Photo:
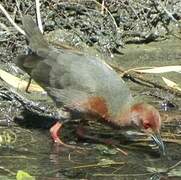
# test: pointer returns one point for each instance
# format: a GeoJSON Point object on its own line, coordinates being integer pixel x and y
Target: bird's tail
{"type": "Point", "coordinates": [33, 34]}
{"type": "Point", "coordinates": [37, 44]}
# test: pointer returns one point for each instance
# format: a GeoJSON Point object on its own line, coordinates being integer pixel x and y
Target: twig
{"type": "Point", "coordinates": [38, 15]}
{"type": "Point", "coordinates": [86, 166]}
{"type": "Point", "coordinates": [98, 165]}
{"type": "Point", "coordinates": [120, 150]}
{"type": "Point", "coordinates": [18, 157]}
{"type": "Point", "coordinates": [174, 166]}
{"type": "Point", "coordinates": [167, 12]}
{"type": "Point", "coordinates": [11, 21]}
{"type": "Point", "coordinates": [122, 175]}
{"type": "Point", "coordinates": [7, 170]}
{"type": "Point", "coordinates": [108, 13]}
{"type": "Point", "coordinates": [138, 79]}
{"type": "Point", "coordinates": [3, 26]}
{"type": "Point", "coordinates": [102, 7]}
{"type": "Point", "coordinates": [18, 6]}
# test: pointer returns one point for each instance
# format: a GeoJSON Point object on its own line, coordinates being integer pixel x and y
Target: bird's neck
{"type": "Point", "coordinates": [127, 117]}
{"type": "Point", "coordinates": [123, 118]}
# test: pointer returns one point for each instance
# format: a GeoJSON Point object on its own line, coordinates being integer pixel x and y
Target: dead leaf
{"type": "Point", "coordinates": [162, 69]}
{"type": "Point", "coordinates": [171, 84]}
{"type": "Point", "coordinates": [19, 83]}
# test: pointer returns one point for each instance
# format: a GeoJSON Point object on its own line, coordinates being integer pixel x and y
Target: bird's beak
{"type": "Point", "coordinates": [158, 140]}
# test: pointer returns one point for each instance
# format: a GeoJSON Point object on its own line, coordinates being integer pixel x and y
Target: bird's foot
{"type": "Point", "coordinates": [58, 141]}
{"type": "Point", "coordinates": [55, 131]}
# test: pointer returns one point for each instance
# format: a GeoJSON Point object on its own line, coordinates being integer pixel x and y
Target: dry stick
{"type": "Point", "coordinates": [167, 12]}
{"type": "Point", "coordinates": [102, 7]}
{"type": "Point", "coordinates": [2, 168]}
{"type": "Point", "coordinates": [106, 9]}
{"type": "Point", "coordinates": [19, 10]}
{"type": "Point", "coordinates": [120, 150]}
{"type": "Point", "coordinates": [11, 20]}
{"type": "Point", "coordinates": [17, 157]}
{"type": "Point", "coordinates": [122, 175]}
{"type": "Point", "coordinates": [174, 166]}
{"type": "Point", "coordinates": [86, 166]}
{"type": "Point", "coordinates": [136, 78]}
{"type": "Point", "coordinates": [38, 15]}
{"type": "Point", "coordinates": [3, 26]}
{"type": "Point", "coordinates": [13, 15]}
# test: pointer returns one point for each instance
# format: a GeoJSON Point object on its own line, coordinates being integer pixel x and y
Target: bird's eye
{"type": "Point", "coordinates": [146, 125]}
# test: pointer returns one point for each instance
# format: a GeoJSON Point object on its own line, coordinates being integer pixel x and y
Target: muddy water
{"type": "Point", "coordinates": [32, 150]}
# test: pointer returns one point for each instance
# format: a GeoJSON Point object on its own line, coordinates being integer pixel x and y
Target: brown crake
{"type": "Point", "coordinates": [86, 84]}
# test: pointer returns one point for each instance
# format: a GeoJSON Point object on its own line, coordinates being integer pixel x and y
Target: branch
{"type": "Point", "coordinates": [11, 20]}
{"type": "Point", "coordinates": [38, 15]}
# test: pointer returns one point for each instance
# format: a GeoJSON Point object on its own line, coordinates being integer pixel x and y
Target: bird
{"type": "Point", "coordinates": [84, 84]}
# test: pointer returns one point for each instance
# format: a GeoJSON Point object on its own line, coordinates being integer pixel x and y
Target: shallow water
{"type": "Point", "coordinates": [36, 154]}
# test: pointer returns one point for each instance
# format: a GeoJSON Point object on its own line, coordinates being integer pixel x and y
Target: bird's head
{"type": "Point", "coordinates": [147, 119]}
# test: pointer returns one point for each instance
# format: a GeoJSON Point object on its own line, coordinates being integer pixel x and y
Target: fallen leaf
{"type": "Point", "coordinates": [162, 69]}
{"type": "Point", "coordinates": [171, 84]}
{"type": "Point", "coordinates": [18, 83]}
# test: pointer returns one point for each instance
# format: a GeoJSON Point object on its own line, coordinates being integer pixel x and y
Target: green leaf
{"type": "Point", "coordinates": [21, 175]}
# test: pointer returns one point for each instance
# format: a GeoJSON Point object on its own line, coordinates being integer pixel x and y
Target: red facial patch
{"type": "Point", "coordinates": [152, 119]}
{"type": "Point", "coordinates": [97, 105]}
{"type": "Point", "coordinates": [147, 125]}
{"type": "Point", "coordinates": [148, 114]}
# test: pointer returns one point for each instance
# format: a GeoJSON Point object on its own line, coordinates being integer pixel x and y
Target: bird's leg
{"type": "Point", "coordinates": [64, 116]}
{"type": "Point", "coordinates": [55, 134]}
{"type": "Point", "coordinates": [28, 85]}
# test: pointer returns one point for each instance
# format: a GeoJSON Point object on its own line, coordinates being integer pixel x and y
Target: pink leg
{"type": "Point", "coordinates": [55, 133]}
